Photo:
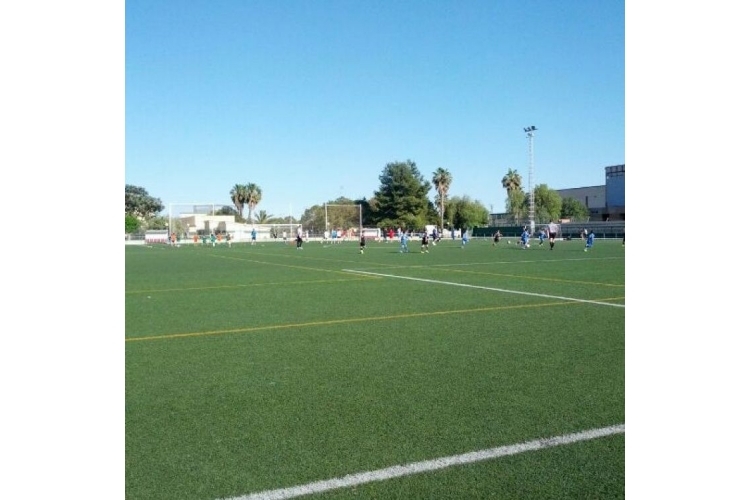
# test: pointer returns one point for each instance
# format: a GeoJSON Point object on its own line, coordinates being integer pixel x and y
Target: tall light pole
{"type": "Point", "coordinates": [530, 134]}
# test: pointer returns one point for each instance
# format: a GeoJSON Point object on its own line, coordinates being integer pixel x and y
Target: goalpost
{"type": "Point", "coordinates": [345, 220]}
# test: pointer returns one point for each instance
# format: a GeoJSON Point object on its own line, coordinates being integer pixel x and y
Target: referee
{"type": "Point", "coordinates": [552, 230]}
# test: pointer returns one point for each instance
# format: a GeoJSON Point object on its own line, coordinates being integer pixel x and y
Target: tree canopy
{"type": "Point", "coordinates": [463, 212]}
{"type": "Point", "coordinates": [402, 199]}
{"type": "Point", "coordinates": [248, 194]}
{"type": "Point", "coordinates": [547, 203]}
{"type": "Point", "coordinates": [574, 210]}
{"type": "Point", "coordinates": [140, 204]}
{"type": "Point", "coordinates": [511, 181]}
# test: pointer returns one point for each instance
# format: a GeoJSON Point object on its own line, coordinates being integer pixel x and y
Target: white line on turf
{"type": "Point", "coordinates": [430, 465]}
{"type": "Point", "coordinates": [571, 299]}
{"type": "Point", "coordinates": [544, 261]}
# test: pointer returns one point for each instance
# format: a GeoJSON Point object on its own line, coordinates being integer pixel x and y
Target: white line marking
{"type": "Point", "coordinates": [430, 465]}
{"type": "Point", "coordinates": [544, 261]}
{"type": "Point", "coordinates": [487, 288]}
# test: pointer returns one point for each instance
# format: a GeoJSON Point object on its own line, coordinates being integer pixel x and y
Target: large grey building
{"type": "Point", "coordinates": [605, 203]}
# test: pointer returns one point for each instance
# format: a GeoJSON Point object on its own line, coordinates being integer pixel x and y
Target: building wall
{"type": "Point", "coordinates": [593, 196]}
{"type": "Point", "coordinates": [615, 176]}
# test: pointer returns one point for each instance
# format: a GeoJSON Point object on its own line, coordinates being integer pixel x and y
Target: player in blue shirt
{"type": "Point", "coordinates": [525, 238]}
{"type": "Point", "coordinates": [404, 243]}
{"type": "Point", "coordinates": [589, 241]}
{"type": "Point", "coordinates": [464, 238]}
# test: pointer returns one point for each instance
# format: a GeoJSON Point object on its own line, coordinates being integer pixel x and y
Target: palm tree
{"type": "Point", "coordinates": [263, 217]}
{"type": "Point", "coordinates": [239, 197]}
{"type": "Point", "coordinates": [442, 179]}
{"type": "Point", "coordinates": [254, 195]}
{"type": "Point", "coordinates": [512, 181]}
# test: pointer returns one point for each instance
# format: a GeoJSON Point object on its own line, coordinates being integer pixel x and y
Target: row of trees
{"type": "Point", "coordinates": [548, 204]}
{"type": "Point", "coordinates": [400, 201]}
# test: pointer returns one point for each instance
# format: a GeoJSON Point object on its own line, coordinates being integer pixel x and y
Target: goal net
{"type": "Point", "coordinates": [342, 222]}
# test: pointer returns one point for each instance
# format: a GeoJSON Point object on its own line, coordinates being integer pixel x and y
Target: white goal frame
{"type": "Point", "coordinates": [326, 205]}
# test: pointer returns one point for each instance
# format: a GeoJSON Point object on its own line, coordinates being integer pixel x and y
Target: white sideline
{"type": "Point", "coordinates": [430, 465]}
{"type": "Point", "coordinates": [571, 299]}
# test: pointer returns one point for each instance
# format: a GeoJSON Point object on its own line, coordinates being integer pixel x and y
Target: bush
{"type": "Point", "coordinates": [131, 224]}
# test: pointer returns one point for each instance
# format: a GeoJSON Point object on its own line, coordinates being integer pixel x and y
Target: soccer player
{"type": "Point", "coordinates": [404, 243]}
{"type": "Point", "coordinates": [229, 240]}
{"type": "Point", "coordinates": [552, 230]}
{"type": "Point", "coordinates": [496, 238]}
{"type": "Point", "coordinates": [253, 235]}
{"type": "Point", "coordinates": [425, 243]}
{"type": "Point", "coordinates": [525, 238]}
{"type": "Point", "coordinates": [362, 244]}
{"type": "Point", "coordinates": [542, 234]}
{"type": "Point", "coordinates": [520, 238]}
{"type": "Point", "coordinates": [299, 237]}
{"type": "Point", "coordinates": [213, 239]}
{"type": "Point", "coordinates": [464, 238]}
{"type": "Point", "coordinates": [589, 241]}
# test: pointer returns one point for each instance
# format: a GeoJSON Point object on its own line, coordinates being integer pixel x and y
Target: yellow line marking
{"type": "Point", "coordinates": [323, 259]}
{"type": "Point", "coordinates": [281, 265]}
{"type": "Point", "coordinates": [247, 285]}
{"type": "Point", "coordinates": [350, 320]}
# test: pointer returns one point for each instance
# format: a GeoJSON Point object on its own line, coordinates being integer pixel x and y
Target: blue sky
{"type": "Point", "coordinates": [310, 100]}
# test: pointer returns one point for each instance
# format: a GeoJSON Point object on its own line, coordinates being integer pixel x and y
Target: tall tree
{"type": "Point", "coordinates": [253, 197]}
{"type": "Point", "coordinates": [442, 179]}
{"type": "Point", "coordinates": [515, 204]}
{"type": "Point", "coordinates": [140, 204]}
{"type": "Point", "coordinates": [239, 197]}
{"type": "Point", "coordinates": [512, 181]}
{"type": "Point", "coordinates": [402, 199]}
{"type": "Point", "coordinates": [547, 203]}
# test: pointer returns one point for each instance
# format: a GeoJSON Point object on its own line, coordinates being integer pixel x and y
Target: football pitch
{"type": "Point", "coordinates": [467, 372]}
